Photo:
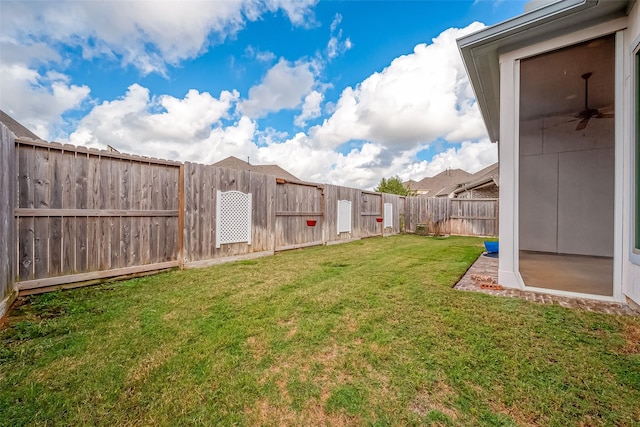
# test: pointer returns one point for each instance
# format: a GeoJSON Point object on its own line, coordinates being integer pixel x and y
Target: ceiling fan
{"type": "Point", "coordinates": [588, 113]}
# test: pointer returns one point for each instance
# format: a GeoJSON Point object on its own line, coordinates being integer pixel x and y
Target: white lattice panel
{"type": "Point", "coordinates": [388, 215]}
{"type": "Point", "coordinates": [344, 216]}
{"type": "Point", "coordinates": [233, 217]}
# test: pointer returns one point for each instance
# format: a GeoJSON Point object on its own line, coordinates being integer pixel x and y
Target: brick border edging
{"type": "Point", "coordinates": [488, 266]}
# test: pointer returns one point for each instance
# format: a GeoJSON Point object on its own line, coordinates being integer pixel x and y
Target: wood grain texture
{"type": "Point", "coordinates": [82, 210]}
{"type": "Point", "coordinates": [468, 217]}
{"type": "Point", "coordinates": [370, 210]}
{"type": "Point", "coordinates": [298, 216]}
{"type": "Point", "coordinates": [26, 226]}
{"type": "Point", "coordinates": [93, 212]}
{"type": "Point", "coordinates": [53, 281]}
{"type": "Point", "coordinates": [8, 187]}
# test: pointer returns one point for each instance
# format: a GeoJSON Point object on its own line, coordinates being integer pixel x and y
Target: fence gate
{"type": "Point", "coordinates": [299, 215]}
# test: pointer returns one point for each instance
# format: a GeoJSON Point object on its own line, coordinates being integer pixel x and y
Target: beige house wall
{"type": "Point", "coordinates": [566, 187]}
{"type": "Point", "coordinates": [630, 257]}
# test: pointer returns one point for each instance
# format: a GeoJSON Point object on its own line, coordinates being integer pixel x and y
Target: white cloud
{"type": "Point", "coordinates": [194, 128]}
{"type": "Point", "coordinates": [299, 12]}
{"type": "Point", "coordinates": [392, 115]}
{"type": "Point", "coordinates": [260, 55]}
{"type": "Point", "coordinates": [418, 98]}
{"type": "Point", "coordinates": [42, 98]}
{"type": "Point", "coordinates": [299, 156]}
{"type": "Point", "coordinates": [310, 108]}
{"type": "Point", "coordinates": [335, 45]}
{"type": "Point", "coordinates": [131, 124]}
{"type": "Point", "coordinates": [13, 52]}
{"type": "Point", "coordinates": [337, 19]}
{"type": "Point", "coordinates": [283, 87]}
{"type": "Point", "coordinates": [146, 34]}
{"type": "Point", "coordinates": [470, 156]}
{"type": "Point", "coordinates": [332, 47]}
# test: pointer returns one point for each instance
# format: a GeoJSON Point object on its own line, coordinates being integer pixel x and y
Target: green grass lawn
{"type": "Point", "coordinates": [365, 333]}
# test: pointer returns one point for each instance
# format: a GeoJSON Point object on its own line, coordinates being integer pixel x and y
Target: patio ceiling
{"type": "Point", "coordinates": [551, 83]}
{"type": "Point", "coordinates": [480, 51]}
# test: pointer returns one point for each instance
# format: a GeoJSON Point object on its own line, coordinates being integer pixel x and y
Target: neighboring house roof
{"type": "Point", "coordinates": [410, 185]}
{"type": "Point", "coordinates": [541, 21]}
{"type": "Point", "coordinates": [275, 170]}
{"type": "Point", "coordinates": [483, 178]}
{"type": "Point", "coordinates": [14, 126]}
{"type": "Point", "coordinates": [433, 186]}
{"type": "Point", "coordinates": [454, 181]}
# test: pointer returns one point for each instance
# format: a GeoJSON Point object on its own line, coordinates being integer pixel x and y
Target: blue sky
{"type": "Point", "coordinates": [344, 92]}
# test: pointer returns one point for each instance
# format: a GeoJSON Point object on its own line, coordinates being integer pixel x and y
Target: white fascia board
{"type": "Point", "coordinates": [525, 21]}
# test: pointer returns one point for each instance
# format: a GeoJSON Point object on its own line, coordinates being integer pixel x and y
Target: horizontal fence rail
{"type": "Point", "coordinates": [83, 216]}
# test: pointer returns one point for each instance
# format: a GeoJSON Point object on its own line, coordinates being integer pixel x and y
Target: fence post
{"type": "Point", "coordinates": [8, 249]}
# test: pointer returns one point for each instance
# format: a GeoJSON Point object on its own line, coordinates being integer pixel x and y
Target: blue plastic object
{"type": "Point", "coordinates": [491, 247]}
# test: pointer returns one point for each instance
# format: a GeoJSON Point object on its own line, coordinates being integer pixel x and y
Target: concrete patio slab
{"type": "Point", "coordinates": [486, 266]}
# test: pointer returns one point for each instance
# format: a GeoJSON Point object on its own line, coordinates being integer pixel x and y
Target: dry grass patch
{"type": "Point", "coordinates": [521, 418]}
{"type": "Point", "coordinates": [437, 398]}
{"type": "Point", "coordinates": [148, 364]}
{"type": "Point", "coordinates": [257, 347]}
{"type": "Point", "coordinates": [631, 339]}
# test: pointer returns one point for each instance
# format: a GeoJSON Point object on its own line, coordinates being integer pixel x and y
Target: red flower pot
{"type": "Point", "coordinates": [378, 219]}
{"type": "Point", "coordinates": [311, 222]}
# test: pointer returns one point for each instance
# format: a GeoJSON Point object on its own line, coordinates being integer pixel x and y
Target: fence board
{"type": "Point", "coordinates": [203, 216]}
{"type": "Point", "coordinates": [154, 233]}
{"type": "Point", "coordinates": [81, 231]}
{"type": "Point", "coordinates": [135, 172]}
{"type": "Point", "coordinates": [26, 226]}
{"type": "Point", "coordinates": [68, 262]}
{"type": "Point", "coordinates": [42, 197]}
{"type": "Point", "coordinates": [115, 230]}
{"type": "Point", "coordinates": [171, 223]}
{"type": "Point", "coordinates": [124, 195]}
{"type": "Point", "coordinates": [8, 184]}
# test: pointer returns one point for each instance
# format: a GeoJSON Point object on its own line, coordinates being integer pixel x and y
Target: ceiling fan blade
{"type": "Point", "coordinates": [583, 123]}
{"type": "Point", "coordinates": [606, 109]}
{"type": "Point", "coordinates": [606, 116]}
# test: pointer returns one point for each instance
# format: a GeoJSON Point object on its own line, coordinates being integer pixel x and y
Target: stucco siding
{"type": "Point", "coordinates": [631, 261]}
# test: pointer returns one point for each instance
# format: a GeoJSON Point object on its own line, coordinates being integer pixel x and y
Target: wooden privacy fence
{"type": "Point", "coordinates": [87, 214]}
{"type": "Point", "coordinates": [74, 215]}
{"type": "Point", "coordinates": [466, 217]}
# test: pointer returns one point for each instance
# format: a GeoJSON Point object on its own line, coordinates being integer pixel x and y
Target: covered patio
{"type": "Point", "coordinates": [487, 265]}
{"type": "Point", "coordinates": [553, 86]}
